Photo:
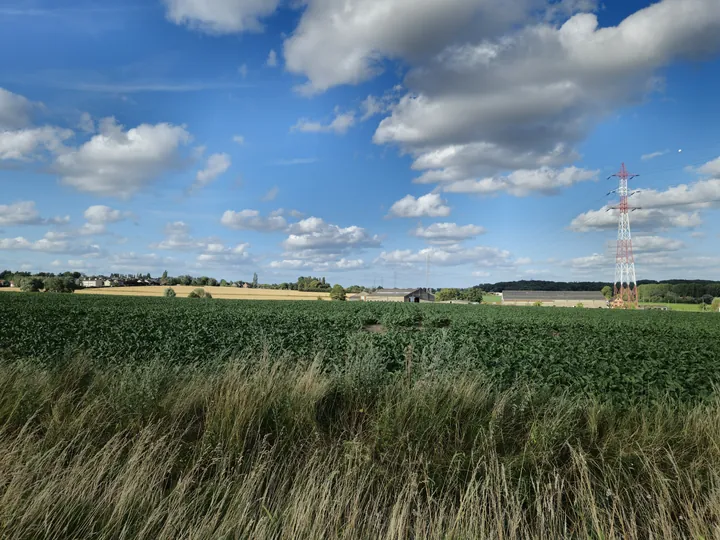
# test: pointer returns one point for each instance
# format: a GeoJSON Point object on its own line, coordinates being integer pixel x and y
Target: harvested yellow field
{"type": "Point", "coordinates": [230, 293]}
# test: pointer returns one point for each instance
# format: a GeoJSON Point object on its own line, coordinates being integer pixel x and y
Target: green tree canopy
{"type": "Point", "coordinates": [337, 292]}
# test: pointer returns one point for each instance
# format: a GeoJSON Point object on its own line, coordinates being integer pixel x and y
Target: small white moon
{"type": "Point", "coordinates": [680, 150]}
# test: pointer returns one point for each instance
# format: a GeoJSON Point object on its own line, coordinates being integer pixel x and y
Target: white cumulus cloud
{"type": "Point", "coordinates": [340, 124]}
{"type": "Point", "coordinates": [447, 233]}
{"type": "Point", "coordinates": [216, 165]}
{"type": "Point", "coordinates": [430, 205]}
{"type": "Point", "coordinates": [26, 213]}
{"type": "Point", "coordinates": [118, 163]}
{"type": "Point", "coordinates": [220, 16]}
{"type": "Point", "coordinates": [251, 220]}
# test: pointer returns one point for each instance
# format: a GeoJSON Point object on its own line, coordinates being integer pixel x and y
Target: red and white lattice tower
{"type": "Point", "coordinates": [625, 285]}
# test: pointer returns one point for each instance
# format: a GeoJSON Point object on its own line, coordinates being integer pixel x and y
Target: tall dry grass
{"type": "Point", "coordinates": [261, 449]}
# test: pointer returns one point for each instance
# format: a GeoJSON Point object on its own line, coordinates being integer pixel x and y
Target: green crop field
{"type": "Point", "coordinates": [609, 354]}
{"type": "Point", "coordinates": [126, 417]}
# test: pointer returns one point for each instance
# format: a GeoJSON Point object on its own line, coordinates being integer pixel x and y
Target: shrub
{"type": "Point", "coordinates": [200, 293]}
{"type": "Point", "coordinates": [716, 304]}
{"type": "Point", "coordinates": [169, 293]}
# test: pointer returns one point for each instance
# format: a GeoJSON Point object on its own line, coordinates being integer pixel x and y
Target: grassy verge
{"type": "Point", "coordinates": [259, 449]}
{"type": "Point", "coordinates": [492, 299]}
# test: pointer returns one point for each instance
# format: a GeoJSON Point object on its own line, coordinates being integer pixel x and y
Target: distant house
{"type": "Point", "coordinates": [399, 295]}
{"type": "Point", "coordinates": [358, 297]}
{"type": "Point", "coordinates": [89, 283]}
{"type": "Point", "coordinates": [588, 299]}
{"type": "Point", "coordinates": [4, 283]}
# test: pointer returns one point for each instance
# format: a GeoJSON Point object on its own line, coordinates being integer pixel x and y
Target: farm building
{"type": "Point", "coordinates": [87, 283]}
{"type": "Point", "coordinates": [397, 295]}
{"type": "Point", "coordinates": [588, 299]}
{"type": "Point", "coordinates": [358, 297]}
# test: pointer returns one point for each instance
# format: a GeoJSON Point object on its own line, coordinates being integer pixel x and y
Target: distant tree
{"type": "Point", "coordinates": [59, 284]}
{"type": "Point", "coordinates": [474, 294]}
{"type": "Point", "coordinates": [185, 280]}
{"type": "Point", "coordinates": [444, 295]}
{"type": "Point", "coordinates": [31, 284]}
{"type": "Point", "coordinates": [164, 279]}
{"type": "Point", "coordinates": [170, 293]}
{"type": "Point", "coordinates": [707, 299]}
{"type": "Point", "coordinates": [355, 289]}
{"type": "Point", "coordinates": [224, 283]}
{"type": "Point", "coordinates": [212, 282]}
{"type": "Point", "coordinates": [255, 280]}
{"type": "Point", "coordinates": [607, 292]}
{"type": "Point", "coordinates": [716, 305]}
{"type": "Point", "coordinates": [337, 293]}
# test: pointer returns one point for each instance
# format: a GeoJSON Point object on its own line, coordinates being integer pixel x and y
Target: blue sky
{"type": "Point", "coordinates": [358, 140]}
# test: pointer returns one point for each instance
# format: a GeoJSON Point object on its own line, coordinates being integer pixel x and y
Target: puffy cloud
{"type": "Point", "coordinates": [701, 194]}
{"type": "Point", "coordinates": [23, 144]}
{"type": "Point", "coordinates": [50, 243]}
{"type": "Point", "coordinates": [711, 168]}
{"type": "Point", "coordinates": [319, 265]}
{"type": "Point", "coordinates": [216, 165]}
{"type": "Point", "coordinates": [449, 256]}
{"type": "Point", "coordinates": [14, 110]}
{"type": "Point", "coordinates": [645, 219]}
{"type": "Point", "coordinates": [430, 205]}
{"type": "Point", "coordinates": [18, 139]}
{"type": "Point", "coordinates": [25, 213]}
{"type": "Point", "coordinates": [100, 214]}
{"type": "Point", "coordinates": [272, 60]}
{"type": "Point", "coordinates": [340, 124]}
{"type": "Point", "coordinates": [653, 155]}
{"type": "Point", "coordinates": [119, 163]}
{"type": "Point", "coordinates": [239, 139]}
{"type": "Point", "coordinates": [524, 101]}
{"type": "Point", "coordinates": [591, 262]}
{"type": "Point", "coordinates": [677, 206]}
{"type": "Point", "coordinates": [219, 255]}
{"type": "Point", "coordinates": [346, 42]}
{"type": "Point", "coordinates": [447, 233]}
{"type": "Point", "coordinates": [656, 244]}
{"type": "Point", "coordinates": [220, 16]}
{"type": "Point", "coordinates": [213, 250]}
{"type": "Point", "coordinates": [372, 106]}
{"type": "Point", "coordinates": [312, 236]}
{"type": "Point", "coordinates": [524, 182]}
{"type": "Point", "coordinates": [251, 220]}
